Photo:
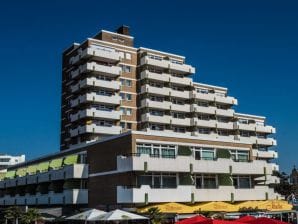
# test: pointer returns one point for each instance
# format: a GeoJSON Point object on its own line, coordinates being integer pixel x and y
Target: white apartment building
{"type": "Point", "coordinates": [140, 131]}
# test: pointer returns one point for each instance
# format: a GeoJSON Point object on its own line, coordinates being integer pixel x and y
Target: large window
{"type": "Point", "coordinates": [157, 150]}
{"type": "Point", "coordinates": [204, 153]}
{"type": "Point", "coordinates": [158, 180]}
{"type": "Point", "coordinates": [206, 181]}
{"type": "Point", "coordinates": [240, 155]}
{"type": "Point", "coordinates": [242, 182]}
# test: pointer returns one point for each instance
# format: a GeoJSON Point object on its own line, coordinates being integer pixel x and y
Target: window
{"type": "Point", "coordinates": [126, 111]}
{"type": "Point", "coordinates": [204, 130]}
{"type": "Point", "coordinates": [242, 182]}
{"type": "Point", "coordinates": [128, 97]}
{"type": "Point", "coordinates": [240, 155]}
{"type": "Point", "coordinates": [125, 68]}
{"type": "Point", "coordinates": [244, 133]}
{"type": "Point", "coordinates": [156, 112]}
{"type": "Point", "coordinates": [128, 126]}
{"type": "Point", "coordinates": [158, 180]}
{"type": "Point", "coordinates": [204, 91]}
{"type": "Point", "coordinates": [156, 98]}
{"type": "Point", "coordinates": [157, 127]}
{"type": "Point", "coordinates": [206, 181]}
{"type": "Point", "coordinates": [128, 82]}
{"type": "Point", "coordinates": [166, 151]}
{"type": "Point", "coordinates": [204, 153]}
{"type": "Point", "coordinates": [178, 115]}
{"type": "Point", "coordinates": [155, 57]}
{"type": "Point", "coordinates": [128, 56]}
{"type": "Point", "coordinates": [122, 125]}
{"type": "Point", "coordinates": [179, 129]}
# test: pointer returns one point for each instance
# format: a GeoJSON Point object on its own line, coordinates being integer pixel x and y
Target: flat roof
{"type": "Point", "coordinates": [161, 52]}
{"type": "Point", "coordinates": [250, 116]}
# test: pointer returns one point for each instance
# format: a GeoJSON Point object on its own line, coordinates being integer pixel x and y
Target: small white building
{"type": "Point", "coordinates": [8, 160]}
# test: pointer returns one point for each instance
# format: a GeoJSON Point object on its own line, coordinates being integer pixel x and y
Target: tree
{"type": "Point", "coordinates": [155, 216]}
{"type": "Point", "coordinates": [284, 187]}
{"type": "Point", "coordinates": [31, 216]}
{"type": "Point", "coordinates": [13, 213]}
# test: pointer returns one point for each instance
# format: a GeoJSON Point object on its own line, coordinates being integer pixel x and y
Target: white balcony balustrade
{"type": "Point", "coordinates": [96, 129]}
{"type": "Point", "coordinates": [94, 113]}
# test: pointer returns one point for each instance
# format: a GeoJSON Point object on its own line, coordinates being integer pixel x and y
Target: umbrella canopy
{"type": "Point", "coordinates": [249, 205]}
{"type": "Point", "coordinates": [170, 207]}
{"type": "Point", "coordinates": [245, 219]}
{"type": "Point", "coordinates": [87, 215]}
{"type": "Point", "coordinates": [264, 220]}
{"type": "Point", "coordinates": [196, 219]}
{"type": "Point", "coordinates": [275, 205]}
{"type": "Point", "coordinates": [118, 215]}
{"type": "Point", "coordinates": [215, 206]}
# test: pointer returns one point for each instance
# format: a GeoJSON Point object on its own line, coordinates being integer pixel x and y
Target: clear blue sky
{"type": "Point", "coordinates": [249, 46]}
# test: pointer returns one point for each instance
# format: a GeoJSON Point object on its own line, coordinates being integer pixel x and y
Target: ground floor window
{"type": "Point", "coordinates": [158, 180]}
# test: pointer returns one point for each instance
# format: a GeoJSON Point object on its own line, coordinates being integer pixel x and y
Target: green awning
{"type": "Point", "coordinates": [10, 174]}
{"type": "Point", "coordinates": [72, 159]}
{"type": "Point", "coordinates": [21, 172]}
{"type": "Point", "coordinates": [43, 167]}
{"type": "Point", "coordinates": [56, 163]}
{"type": "Point", "coordinates": [32, 169]}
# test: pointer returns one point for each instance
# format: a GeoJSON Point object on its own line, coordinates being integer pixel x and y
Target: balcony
{"type": "Point", "coordinates": [266, 141]}
{"type": "Point", "coordinates": [203, 96]}
{"type": "Point", "coordinates": [256, 140]}
{"type": "Point", "coordinates": [180, 121]}
{"type": "Point", "coordinates": [225, 125]}
{"type": "Point", "coordinates": [94, 98]}
{"type": "Point", "coordinates": [183, 193]}
{"type": "Point", "coordinates": [201, 109]}
{"type": "Point", "coordinates": [155, 90]}
{"type": "Point", "coordinates": [93, 128]}
{"type": "Point", "coordinates": [181, 81]}
{"type": "Point", "coordinates": [165, 119]}
{"type": "Point", "coordinates": [155, 76]}
{"type": "Point", "coordinates": [179, 94]}
{"type": "Point", "coordinates": [265, 129]}
{"type": "Point", "coordinates": [226, 100]}
{"type": "Point", "coordinates": [270, 154]}
{"type": "Point", "coordinates": [167, 64]}
{"type": "Point", "coordinates": [180, 107]}
{"type": "Point", "coordinates": [164, 77]}
{"type": "Point", "coordinates": [96, 69]}
{"type": "Point", "coordinates": [94, 113]}
{"type": "Point", "coordinates": [93, 82]}
{"type": "Point", "coordinates": [70, 196]}
{"type": "Point", "coordinates": [96, 53]}
{"type": "Point", "coordinates": [183, 164]}
{"type": "Point", "coordinates": [203, 123]}
{"type": "Point", "coordinates": [246, 127]}
{"type": "Point", "coordinates": [165, 105]}
{"type": "Point", "coordinates": [226, 113]}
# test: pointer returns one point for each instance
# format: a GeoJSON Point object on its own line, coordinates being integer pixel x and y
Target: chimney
{"type": "Point", "coordinates": [123, 30]}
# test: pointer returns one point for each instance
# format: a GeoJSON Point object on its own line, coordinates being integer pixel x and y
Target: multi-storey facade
{"type": "Point", "coordinates": [136, 129]}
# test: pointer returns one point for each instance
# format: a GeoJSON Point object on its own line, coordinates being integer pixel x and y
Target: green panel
{"type": "Point", "coordinates": [56, 163]}
{"type": "Point", "coordinates": [223, 153]}
{"type": "Point", "coordinates": [185, 179]}
{"type": "Point", "coordinates": [70, 160]}
{"type": "Point", "coordinates": [10, 174]}
{"type": "Point", "coordinates": [184, 150]}
{"type": "Point", "coordinates": [266, 196]}
{"type": "Point", "coordinates": [145, 167]}
{"type": "Point", "coordinates": [191, 168]}
{"type": "Point", "coordinates": [2, 176]}
{"type": "Point", "coordinates": [230, 169]}
{"type": "Point", "coordinates": [43, 167]}
{"type": "Point", "coordinates": [21, 172]}
{"type": "Point", "coordinates": [146, 198]}
{"type": "Point", "coordinates": [192, 198]}
{"type": "Point", "coordinates": [225, 180]}
{"type": "Point", "coordinates": [32, 169]}
{"type": "Point", "coordinates": [232, 197]}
